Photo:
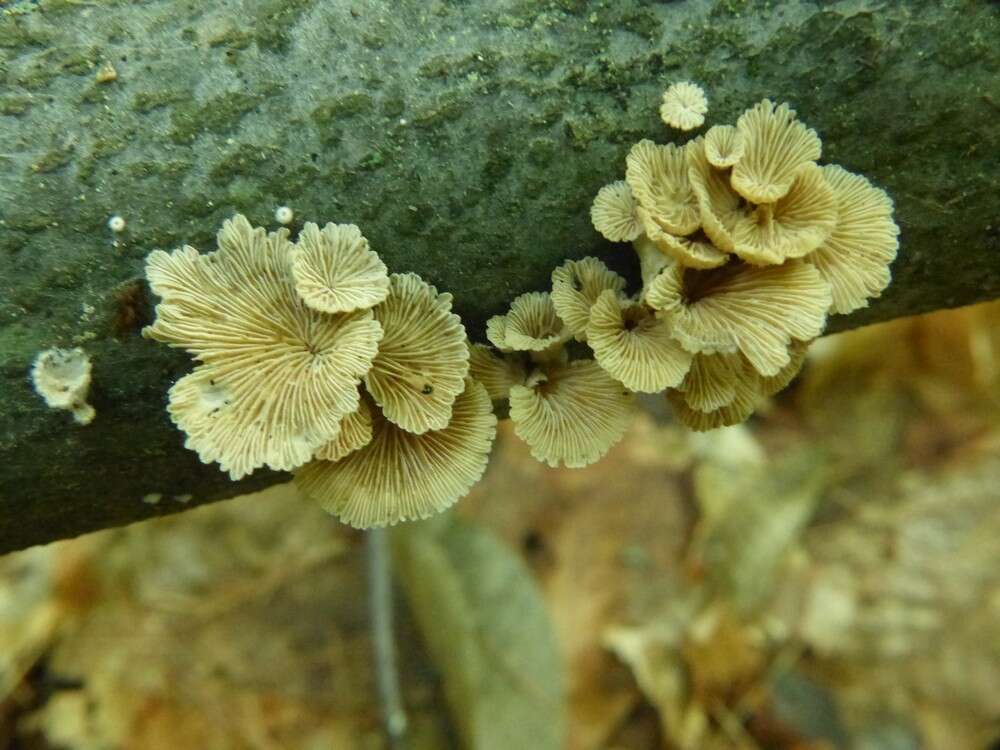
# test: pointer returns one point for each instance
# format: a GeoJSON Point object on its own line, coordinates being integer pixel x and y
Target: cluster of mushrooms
{"type": "Point", "coordinates": [314, 359]}
{"type": "Point", "coordinates": [745, 245]}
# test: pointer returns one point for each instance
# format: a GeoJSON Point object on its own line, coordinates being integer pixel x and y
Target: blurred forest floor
{"type": "Point", "coordinates": [826, 576]}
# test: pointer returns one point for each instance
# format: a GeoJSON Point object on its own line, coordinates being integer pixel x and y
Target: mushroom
{"type": "Point", "coordinates": [855, 258]}
{"type": "Point", "coordinates": [720, 206]}
{"type": "Point", "coordinates": [355, 432]}
{"type": "Point", "coordinates": [497, 373]}
{"type": "Point", "coordinates": [684, 106]}
{"type": "Point", "coordinates": [576, 285]}
{"type": "Point", "coordinates": [769, 385]}
{"type": "Point", "coordinates": [769, 233]}
{"type": "Point", "coordinates": [694, 251]}
{"type": "Point", "coordinates": [652, 260]}
{"type": "Point", "coordinates": [570, 413]}
{"type": "Point", "coordinates": [423, 358]}
{"type": "Point", "coordinates": [634, 346]}
{"type": "Point", "coordinates": [531, 325]}
{"type": "Point", "coordinates": [776, 146]}
{"type": "Point", "coordinates": [723, 146]}
{"type": "Point", "coordinates": [275, 377]}
{"type": "Point", "coordinates": [791, 227]}
{"type": "Point", "coordinates": [62, 378]}
{"type": "Point", "coordinates": [613, 213]}
{"type": "Point", "coordinates": [711, 382]}
{"type": "Point", "coordinates": [658, 177]}
{"type": "Point", "coordinates": [723, 389]}
{"type": "Point", "coordinates": [756, 310]}
{"type": "Point", "coordinates": [402, 476]}
{"type": "Point", "coordinates": [736, 411]}
{"type": "Point", "coordinates": [335, 271]}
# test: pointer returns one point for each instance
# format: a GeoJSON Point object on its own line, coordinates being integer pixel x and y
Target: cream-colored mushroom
{"type": "Point", "coordinates": [336, 271]}
{"type": "Point", "coordinates": [422, 359]}
{"type": "Point", "coordinates": [766, 234]}
{"type": "Point", "coordinates": [62, 378]}
{"type": "Point", "coordinates": [736, 411]}
{"type": "Point", "coordinates": [693, 251]}
{"type": "Point", "coordinates": [275, 377]}
{"type": "Point", "coordinates": [576, 285]}
{"type": "Point", "coordinates": [613, 213]}
{"type": "Point", "coordinates": [658, 177]}
{"type": "Point", "coordinates": [402, 476]}
{"type": "Point", "coordinates": [776, 146]}
{"type": "Point", "coordinates": [570, 413]}
{"type": "Point", "coordinates": [711, 382]}
{"type": "Point", "coordinates": [684, 106]}
{"type": "Point", "coordinates": [855, 258]}
{"type": "Point", "coordinates": [497, 373]}
{"type": "Point", "coordinates": [355, 432]}
{"type": "Point", "coordinates": [756, 310]}
{"type": "Point", "coordinates": [635, 347]}
{"type": "Point", "coordinates": [792, 227]}
{"type": "Point", "coordinates": [723, 146]}
{"type": "Point", "coordinates": [531, 325]}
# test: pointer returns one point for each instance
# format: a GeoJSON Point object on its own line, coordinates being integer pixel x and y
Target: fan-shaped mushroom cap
{"type": "Point", "coordinates": [738, 410]}
{"type": "Point", "coordinates": [684, 106]}
{"type": "Point", "coordinates": [776, 146]}
{"type": "Point", "coordinates": [693, 251]}
{"type": "Point", "coordinates": [496, 332]}
{"type": "Point", "coordinates": [423, 358]}
{"type": "Point", "coordinates": [276, 376]}
{"type": "Point", "coordinates": [658, 177]}
{"type": "Point", "coordinates": [855, 258]}
{"type": "Point", "coordinates": [400, 476]}
{"type": "Point", "coordinates": [634, 346]}
{"type": "Point", "coordinates": [757, 310]}
{"type": "Point", "coordinates": [498, 374]}
{"type": "Point", "coordinates": [721, 206]}
{"type": "Point", "coordinates": [570, 413]}
{"type": "Point", "coordinates": [355, 432]}
{"type": "Point", "coordinates": [711, 382]}
{"type": "Point", "coordinates": [793, 226]}
{"type": "Point", "coordinates": [652, 260]}
{"type": "Point", "coordinates": [62, 378]}
{"type": "Point", "coordinates": [613, 213]}
{"type": "Point", "coordinates": [723, 146]}
{"type": "Point", "coordinates": [576, 285]}
{"type": "Point", "coordinates": [335, 271]}
{"type": "Point", "coordinates": [768, 386]}
{"type": "Point", "coordinates": [768, 234]}
{"type": "Point", "coordinates": [531, 325]}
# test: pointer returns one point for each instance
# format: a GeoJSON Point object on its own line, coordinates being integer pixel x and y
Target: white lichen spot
{"type": "Point", "coordinates": [284, 215]}
{"type": "Point", "coordinates": [116, 224]}
{"type": "Point", "coordinates": [62, 378]}
{"type": "Point", "coordinates": [184, 499]}
{"type": "Point", "coordinates": [152, 498]}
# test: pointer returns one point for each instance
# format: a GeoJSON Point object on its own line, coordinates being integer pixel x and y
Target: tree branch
{"type": "Point", "coordinates": [467, 140]}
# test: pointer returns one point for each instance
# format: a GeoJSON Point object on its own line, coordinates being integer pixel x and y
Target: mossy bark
{"type": "Point", "coordinates": [466, 139]}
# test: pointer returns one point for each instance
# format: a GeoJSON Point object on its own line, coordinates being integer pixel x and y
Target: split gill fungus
{"type": "Point", "coordinates": [312, 357]}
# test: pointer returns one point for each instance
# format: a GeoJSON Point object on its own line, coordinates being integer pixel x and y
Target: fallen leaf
{"type": "Point", "coordinates": [485, 625]}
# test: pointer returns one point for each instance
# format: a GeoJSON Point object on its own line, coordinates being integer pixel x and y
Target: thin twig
{"type": "Point", "coordinates": [383, 643]}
